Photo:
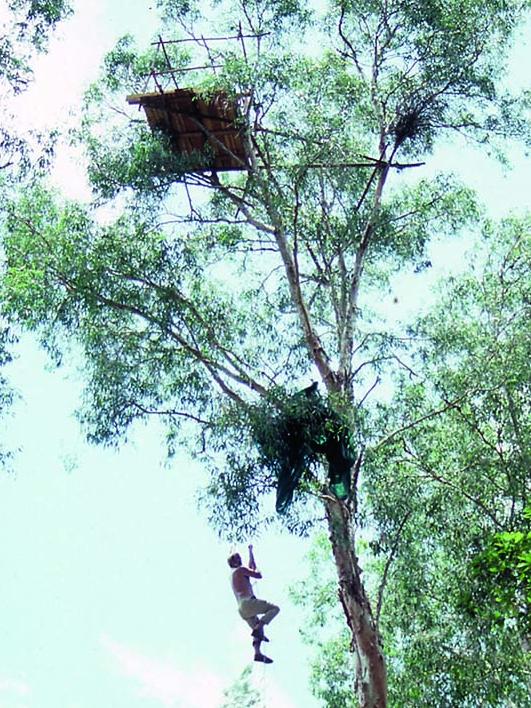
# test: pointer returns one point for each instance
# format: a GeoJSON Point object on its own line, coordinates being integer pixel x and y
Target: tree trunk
{"type": "Point", "coordinates": [371, 680]}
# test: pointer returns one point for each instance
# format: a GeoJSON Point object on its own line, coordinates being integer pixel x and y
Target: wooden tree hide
{"type": "Point", "coordinates": [208, 131]}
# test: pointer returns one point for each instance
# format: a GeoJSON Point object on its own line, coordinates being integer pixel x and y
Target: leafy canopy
{"type": "Point", "coordinates": [210, 298]}
{"type": "Point", "coordinates": [204, 297]}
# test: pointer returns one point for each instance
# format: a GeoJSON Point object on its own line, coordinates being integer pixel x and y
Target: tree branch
{"type": "Point", "coordinates": [430, 472]}
{"type": "Point", "coordinates": [414, 423]}
{"type": "Point", "coordinates": [390, 559]}
{"type": "Point", "coordinates": [170, 412]}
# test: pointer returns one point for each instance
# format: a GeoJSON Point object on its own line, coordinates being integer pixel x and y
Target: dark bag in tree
{"type": "Point", "coordinates": [303, 430]}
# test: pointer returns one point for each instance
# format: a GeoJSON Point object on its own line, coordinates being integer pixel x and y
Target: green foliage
{"type": "Point", "coordinates": [242, 694]}
{"type": "Point", "coordinates": [25, 28]}
{"type": "Point", "coordinates": [331, 666]}
{"type": "Point", "coordinates": [49, 235]}
{"type": "Point", "coordinates": [252, 442]}
{"type": "Point", "coordinates": [7, 340]}
{"type": "Point", "coordinates": [443, 489]}
{"type": "Point", "coordinates": [173, 11]}
{"type": "Point", "coordinates": [439, 206]}
{"type": "Point", "coordinates": [294, 444]}
{"type": "Point", "coordinates": [145, 164]}
{"type": "Point", "coordinates": [127, 66]}
{"type": "Point", "coordinates": [437, 64]}
{"type": "Point", "coordinates": [502, 573]}
{"type": "Point", "coordinates": [442, 504]}
{"type": "Point", "coordinates": [436, 654]}
{"type": "Point", "coordinates": [265, 15]}
{"type": "Point", "coordinates": [436, 651]}
{"type": "Point", "coordinates": [433, 70]}
{"type": "Point", "coordinates": [27, 24]}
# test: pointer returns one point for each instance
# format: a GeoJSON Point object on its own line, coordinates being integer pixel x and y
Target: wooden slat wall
{"type": "Point", "coordinates": [193, 124]}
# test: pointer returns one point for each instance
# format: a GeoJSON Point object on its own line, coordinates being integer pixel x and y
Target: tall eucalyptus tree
{"type": "Point", "coordinates": [448, 499]}
{"type": "Point", "coordinates": [212, 297]}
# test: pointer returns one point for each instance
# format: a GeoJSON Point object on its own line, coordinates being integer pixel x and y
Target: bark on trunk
{"type": "Point", "coordinates": [371, 680]}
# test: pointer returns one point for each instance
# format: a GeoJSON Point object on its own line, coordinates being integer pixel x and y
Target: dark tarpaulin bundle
{"type": "Point", "coordinates": [296, 429]}
{"type": "Point", "coordinates": [340, 455]}
{"type": "Point", "coordinates": [304, 429]}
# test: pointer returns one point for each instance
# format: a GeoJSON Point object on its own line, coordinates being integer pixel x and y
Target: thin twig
{"type": "Point", "coordinates": [390, 559]}
{"type": "Point", "coordinates": [413, 423]}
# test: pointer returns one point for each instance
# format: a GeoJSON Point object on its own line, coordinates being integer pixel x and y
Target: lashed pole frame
{"type": "Point", "coordinates": [192, 122]}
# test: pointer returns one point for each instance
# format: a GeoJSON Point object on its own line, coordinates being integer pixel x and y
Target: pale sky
{"type": "Point", "coordinates": [97, 547]}
{"type": "Point", "coordinates": [114, 591]}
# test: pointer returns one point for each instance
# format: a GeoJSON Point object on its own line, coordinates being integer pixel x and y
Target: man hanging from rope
{"type": "Point", "coordinates": [249, 606]}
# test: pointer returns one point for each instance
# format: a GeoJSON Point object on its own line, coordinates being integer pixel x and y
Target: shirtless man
{"type": "Point", "coordinates": [249, 606]}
